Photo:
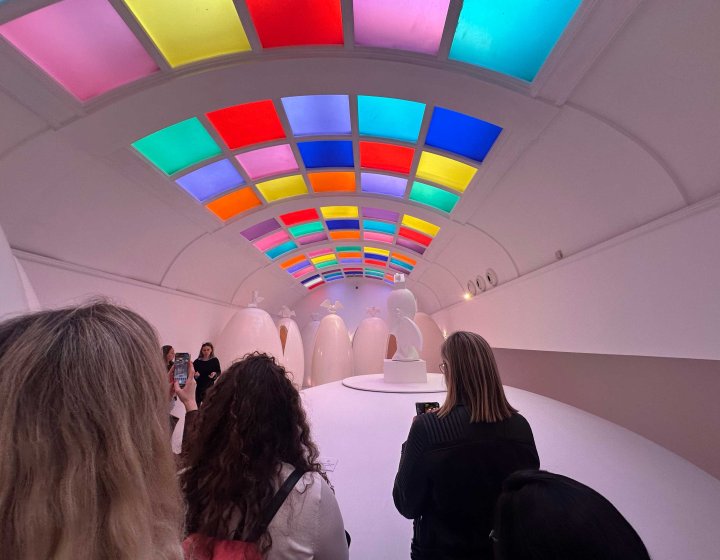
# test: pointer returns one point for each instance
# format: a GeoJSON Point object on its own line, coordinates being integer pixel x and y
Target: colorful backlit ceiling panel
{"type": "Point", "coordinates": [367, 242]}
{"type": "Point", "coordinates": [91, 47]}
{"type": "Point", "coordinates": [236, 159]}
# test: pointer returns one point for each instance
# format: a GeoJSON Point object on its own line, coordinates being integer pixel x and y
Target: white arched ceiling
{"type": "Point", "coordinates": [567, 176]}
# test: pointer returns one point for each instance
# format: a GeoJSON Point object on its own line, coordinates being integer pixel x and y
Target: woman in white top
{"type": "Point", "coordinates": [249, 436]}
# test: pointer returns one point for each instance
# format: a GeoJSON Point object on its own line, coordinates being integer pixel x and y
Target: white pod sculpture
{"type": "Point", "coordinates": [309, 334]}
{"type": "Point", "coordinates": [332, 355]}
{"type": "Point", "coordinates": [432, 340]}
{"type": "Point", "coordinates": [13, 294]}
{"type": "Point", "coordinates": [250, 329]}
{"type": "Point", "coordinates": [370, 343]}
{"type": "Point", "coordinates": [292, 345]}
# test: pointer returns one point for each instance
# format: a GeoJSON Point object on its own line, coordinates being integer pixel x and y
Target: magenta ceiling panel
{"type": "Point", "coordinates": [409, 25]}
{"type": "Point", "coordinates": [268, 161]}
{"type": "Point", "coordinates": [82, 44]}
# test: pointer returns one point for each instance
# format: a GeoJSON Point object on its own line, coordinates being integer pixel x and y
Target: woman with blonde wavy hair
{"type": "Point", "coordinates": [86, 469]}
{"type": "Point", "coordinates": [455, 459]}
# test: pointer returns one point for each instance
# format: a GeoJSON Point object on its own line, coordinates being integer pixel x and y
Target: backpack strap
{"type": "Point", "coordinates": [277, 501]}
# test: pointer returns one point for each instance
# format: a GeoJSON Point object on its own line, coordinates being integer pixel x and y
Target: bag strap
{"type": "Point", "coordinates": [277, 501]}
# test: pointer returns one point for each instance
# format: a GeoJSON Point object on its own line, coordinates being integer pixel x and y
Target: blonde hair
{"type": "Point", "coordinates": [86, 469]}
{"type": "Point", "coordinates": [472, 378]}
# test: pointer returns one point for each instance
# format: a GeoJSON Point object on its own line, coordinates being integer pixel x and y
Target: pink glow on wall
{"type": "Point", "coordinates": [83, 44]}
{"type": "Point", "coordinates": [268, 161]}
{"type": "Point", "coordinates": [410, 25]}
{"type": "Point", "coordinates": [379, 237]}
{"type": "Point", "coordinates": [271, 240]}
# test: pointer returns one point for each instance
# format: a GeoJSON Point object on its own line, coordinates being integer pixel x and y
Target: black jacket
{"type": "Point", "coordinates": [449, 478]}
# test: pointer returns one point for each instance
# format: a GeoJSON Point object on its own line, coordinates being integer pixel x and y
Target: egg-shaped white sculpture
{"type": "Point", "coordinates": [30, 296]}
{"type": "Point", "coordinates": [369, 344]}
{"type": "Point", "coordinates": [332, 355]}
{"type": "Point", "coordinates": [293, 358]}
{"type": "Point", "coordinates": [249, 330]}
{"type": "Point", "coordinates": [309, 333]}
{"type": "Point", "coordinates": [432, 340]}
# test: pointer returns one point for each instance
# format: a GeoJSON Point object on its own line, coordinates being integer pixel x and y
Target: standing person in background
{"type": "Point", "coordinates": [168, 356]}
{"type": "Point", "coordinates": [85, 467]}
{"type": "Point", "coordinates": [207, 367]}
{"type": "Point", "coordinates": [454, 461]}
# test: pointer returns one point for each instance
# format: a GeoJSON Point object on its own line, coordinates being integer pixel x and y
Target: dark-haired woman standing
{"type": "Point", "coordinates": [249, 436]}
{"type": "Point", "coordinates": [207, 367]}
{"type": "Point", "coordinates": [454, 461]}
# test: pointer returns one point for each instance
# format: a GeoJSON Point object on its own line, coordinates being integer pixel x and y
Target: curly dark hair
{"type": "Point", "coordinates": [250, 422]}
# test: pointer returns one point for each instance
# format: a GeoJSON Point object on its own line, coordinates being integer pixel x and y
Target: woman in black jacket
{"type": "Point", "coordinates": [207, 367]}
{"type": "Point", "coordinates": [454, 461]}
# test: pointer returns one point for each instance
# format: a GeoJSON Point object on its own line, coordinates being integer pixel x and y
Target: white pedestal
{"type": "Point", "coordinates": [396, 371]}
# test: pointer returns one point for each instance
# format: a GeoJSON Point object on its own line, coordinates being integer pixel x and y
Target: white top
{"type": "Point", "coordinates": [309, 525]}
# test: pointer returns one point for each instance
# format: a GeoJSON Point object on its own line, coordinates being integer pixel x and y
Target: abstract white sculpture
{"type": "Point", "coordinates": [402, 308]}
{"type": "Point", "coordinates": [332, 355]}
{"type": "Point", "coordinates": [309, 334]}
{"type": "Point", "coordinates": [293, 357]}
{"type": "Point", "coordinates": [370, 343]}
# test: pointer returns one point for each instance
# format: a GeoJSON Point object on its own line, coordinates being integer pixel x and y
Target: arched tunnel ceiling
{"type": "Point", "coordinates": [572, 167]}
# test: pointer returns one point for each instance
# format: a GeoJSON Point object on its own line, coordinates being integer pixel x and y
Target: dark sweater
{"type": "Point", "coordinates": [449, 478]}
{"type": "Point", "coordinates": [204, 382]}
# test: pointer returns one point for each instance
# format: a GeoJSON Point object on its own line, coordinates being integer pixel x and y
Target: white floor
{"type": "Point", "coordinates": [672, 504]}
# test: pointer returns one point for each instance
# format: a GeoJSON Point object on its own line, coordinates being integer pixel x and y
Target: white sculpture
{"type": "Point", "coordinates": [332, 355]}
{"type": "Point", "coordinates": [370, 343]}
{"type": "Point", "coordinates": [293, 358]}
{"type": "Point", "coordinates": [402, 308]}
{"type": "Point", "coordinates": [309, 334]}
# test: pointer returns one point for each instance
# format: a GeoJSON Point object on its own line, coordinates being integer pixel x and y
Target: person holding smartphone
{"type": "Point", "coordinates": [455, 458]}
{"type": "Point", "coordinates": [207, 367]}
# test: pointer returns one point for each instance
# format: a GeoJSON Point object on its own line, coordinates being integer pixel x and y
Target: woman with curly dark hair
{"type": "Point", "coordinates": [249, 437]}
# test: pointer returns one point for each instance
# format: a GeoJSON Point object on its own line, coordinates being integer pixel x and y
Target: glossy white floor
{"type": "Point", "coordinates": [673, 505]}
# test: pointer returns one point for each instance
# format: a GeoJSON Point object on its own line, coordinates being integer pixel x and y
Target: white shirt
{"type": "Point", "coordinates": [309, 525]}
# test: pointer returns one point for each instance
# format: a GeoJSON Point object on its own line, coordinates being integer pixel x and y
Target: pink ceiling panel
{"type": "Point", "coordinates": [409, 25]}
{"type": "Point", "coordinates": [83, 44]}
{"type": "Point", "coordinates": [379, 237]}
{"type": "Point", "coordinates": [304, 271]}
{"type": "Point", "coordinates": [268, 161]}
{"type": "Point", "coordinates": [271, 240]}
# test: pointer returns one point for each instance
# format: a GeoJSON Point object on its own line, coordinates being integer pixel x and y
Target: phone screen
{"type": "Point", "coordinates": [423, 407]}
{"type": "Point", "coordinates": [181, 367]}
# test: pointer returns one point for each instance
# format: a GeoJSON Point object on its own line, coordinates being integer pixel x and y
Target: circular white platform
{"type": "Point", "coordinates": [654, 489]}
{"type": "Point", "coordinates": [375, 382]}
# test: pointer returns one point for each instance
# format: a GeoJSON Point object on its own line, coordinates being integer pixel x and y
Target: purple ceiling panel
{"type": "Point", "coordinates": [258, 230]}
{"type": "Point", "coordinates": [379, 214]}
{"type": "Point", "coordinates": [420, 249]}
{"type": "Point", "coordinates": [312, 238]}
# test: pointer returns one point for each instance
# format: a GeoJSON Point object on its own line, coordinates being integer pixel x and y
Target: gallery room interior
{"type": "Point", "coordinates": [543, 173]}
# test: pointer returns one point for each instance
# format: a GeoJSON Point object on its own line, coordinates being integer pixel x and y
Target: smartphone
{"type": "Point", "coordinates": [423, 407]}
{"type": "Point", "coordinates": [181, 367]}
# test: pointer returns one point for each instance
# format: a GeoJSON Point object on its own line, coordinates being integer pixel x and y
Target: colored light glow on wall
{"type": "Point", "coordinates": [178, 146]}
{"type": "Point", "coordinates": [445, 171]}
{"type": "Point", "coordinates": [284, 23]}
{"type": "Point", "coordinates": [292, 218]}
{"type": "Point", "coordinates": [388, 185]}
{"type": "Point", "coordinates": [330, 212]}
{"type": "Point", "coordinates": [234, 203]}
{"type": "Point", "coordinates": [84, 45]}
{"type": "Point", "coordinates": [318, 114]}
{"type": "Point", "coordinates": [260, 229]}
{"type": "Point", "coordinates": [513, 37]}
{"type": "Point", "coordinates": [389, 117]}
{"type": "Point", "coordinates": [273, 160]}
{"type": "Point", "coordinates": [247, 124]}
{"type": "Point", "coordinates": [284, 187]}
{"type": "Point", "coordinates": [387, 157]}
{"type": "Point", "coordinates": [327, 153]}
{"type": "Point", "coordinates": [420, 225]}
{"type": "Point", "coordinates": [433, 197]}
{"type": "Point", "coordinates": [332, 181]}
{"type": "Point", "coordinates": [186, 32]}
{"type": "Point", "coordinates": [409, 25]}
{"type": "Point", "coordinates": [211, 180]}
{"type": "Point", "coordinates": [272, 240]}
{"type": "Point", "coordinates": [461, 134]}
